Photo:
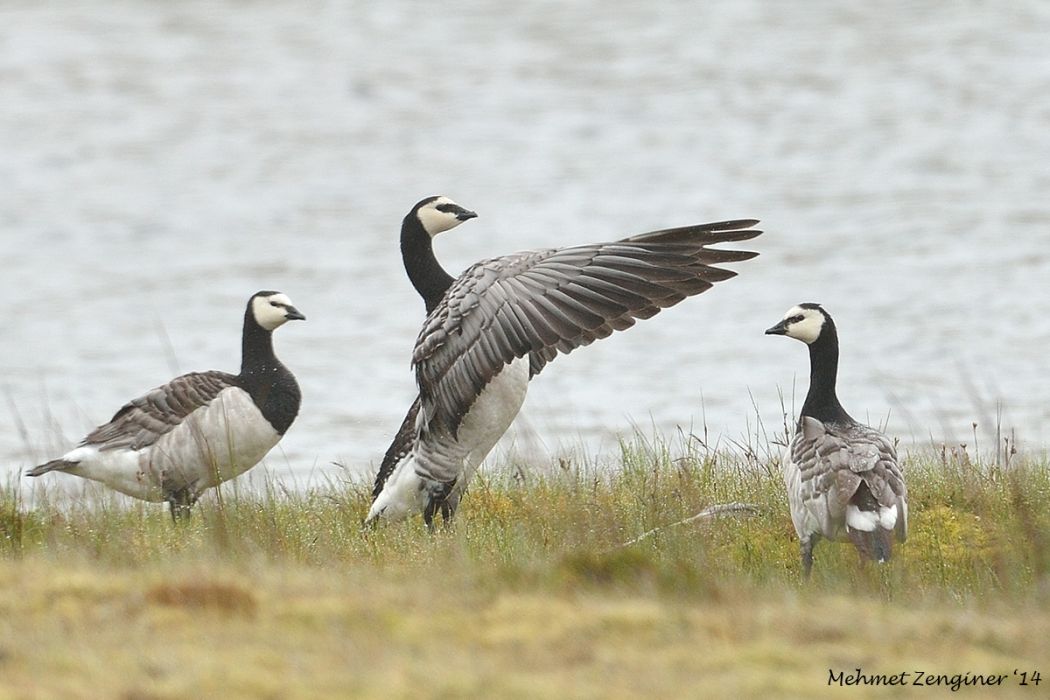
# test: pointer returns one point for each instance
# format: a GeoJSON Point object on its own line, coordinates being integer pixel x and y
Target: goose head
{"type": "Point", "coordinates": [439, 214]}
{"type": "Point", "coordinates": [273, 309]}
{"type": "Point", "coordinates": [803, 322]}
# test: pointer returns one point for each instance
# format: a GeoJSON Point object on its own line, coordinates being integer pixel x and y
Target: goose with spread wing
{"type": "Point", "coordinates": [843, 479]}
{"type": "Point", "coordinates": [497, 325]}
{"type": "Point", "coordinates": [200, 429]}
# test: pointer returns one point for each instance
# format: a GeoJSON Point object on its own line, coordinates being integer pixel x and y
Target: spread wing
{"type": "Point", "coordinates": [835, 461]}
{"type": "Point", "coordinates": [142, 421]}
{"type": "Point", "coordinates": [540, 303]}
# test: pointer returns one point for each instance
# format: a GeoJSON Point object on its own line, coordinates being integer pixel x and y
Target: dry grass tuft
{"type": "Point", "coordinates": [227, 597]}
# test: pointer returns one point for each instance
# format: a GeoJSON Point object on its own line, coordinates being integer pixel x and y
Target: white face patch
{"type": "Point", "coordinates": [272, 311]}
{"type": "Point", "coordinates": [808, 328]}
{"type": "Point", "coordinates": [436, 221]}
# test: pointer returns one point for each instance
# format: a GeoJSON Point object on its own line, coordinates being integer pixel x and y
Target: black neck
{"type": "Point", "coordinates": [272, 387]}
{"type": "Point", "coordinates": [256, 348]}
{"type": "Point", "coordinates": [426, 274]}
{"type": "Point", "coordinates": [821, 402]}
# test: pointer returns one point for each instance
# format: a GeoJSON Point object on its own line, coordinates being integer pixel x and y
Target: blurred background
{"type": "Point", "coordinates": [160, 162]}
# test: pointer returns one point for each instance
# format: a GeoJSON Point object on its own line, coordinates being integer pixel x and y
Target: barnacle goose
{"type": "Point", "coordinates": [492, 329]}
{"type": "Point", "coordinates": [843, 478]}
{"type": "Point", "coordinates": [199, 429]}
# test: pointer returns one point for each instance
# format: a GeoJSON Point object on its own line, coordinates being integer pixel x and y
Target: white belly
{"type": "Point", "coordinates": [488, 419]}
{"type": "Point", "coordinates": [440, 458]}
{"type": "Point", "coordinates": [211, 445]}
{"type": "Point", "coordinates": [117, 469]}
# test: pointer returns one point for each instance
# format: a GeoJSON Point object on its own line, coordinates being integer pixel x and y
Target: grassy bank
{"type": "Point", "coordinates": [530, 594]}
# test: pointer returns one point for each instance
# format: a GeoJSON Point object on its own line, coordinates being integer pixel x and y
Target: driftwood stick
{"type": "Point", "coordinates": [706, 513]}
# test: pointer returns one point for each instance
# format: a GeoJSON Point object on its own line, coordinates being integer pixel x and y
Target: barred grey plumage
{"type": "Point", "coordinates": [142, 421]}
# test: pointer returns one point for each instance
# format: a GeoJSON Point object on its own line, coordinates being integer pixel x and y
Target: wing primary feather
{"type": "Point", "coordinates": [544, 302]}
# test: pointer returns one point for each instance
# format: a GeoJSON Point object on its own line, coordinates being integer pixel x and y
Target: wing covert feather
{"type": "Point", "coordinates": [143, 420]}
{"type": "Point", "coordinates": [834, 460]}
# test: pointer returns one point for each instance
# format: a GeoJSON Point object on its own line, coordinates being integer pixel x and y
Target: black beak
{"type": "Point", "coordinates": [779, 329]}
{"type": "Point", "coordinates": [464, 214]}
{"type": "Point", "coordinates": [292, 314]}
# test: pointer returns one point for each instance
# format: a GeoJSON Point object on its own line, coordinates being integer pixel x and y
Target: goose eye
{"type": "Point", "coordinates": [274, 303]}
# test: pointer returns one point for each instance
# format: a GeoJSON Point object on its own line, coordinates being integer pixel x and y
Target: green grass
{"type": "Point", "coordinates": [531, 593]}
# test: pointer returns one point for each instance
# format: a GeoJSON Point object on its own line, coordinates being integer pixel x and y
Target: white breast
{"type": "Point", "coordinates": [214, 444]}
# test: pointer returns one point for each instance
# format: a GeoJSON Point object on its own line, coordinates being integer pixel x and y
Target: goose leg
{"type": "Point", "coordinates": [448, 509]}
{"type": "Point", "coordinates": [428, 514]}
{"type": "Point", "coordinates": [180, 502]}
{"type": "Point", "coordinates": [807, 554]}
{"type": "Point", "coordinates": [443, 501]}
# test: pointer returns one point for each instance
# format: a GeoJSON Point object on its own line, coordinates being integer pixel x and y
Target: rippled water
{"type": "Point", "coordinates": [159, 162]}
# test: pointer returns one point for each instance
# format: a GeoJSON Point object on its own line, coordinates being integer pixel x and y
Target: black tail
{"type": "Point", "coordinates": [876, 544]}
{"type": "Point", "coordinates": [400, 447]}
{"type": "Point", "coordinates": [53, 465]}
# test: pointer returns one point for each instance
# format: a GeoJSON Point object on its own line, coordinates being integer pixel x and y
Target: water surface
{"type": "Point", "coordinates": [162, 161]}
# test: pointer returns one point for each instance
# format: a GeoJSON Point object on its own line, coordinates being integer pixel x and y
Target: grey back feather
{"type": "Point", "coordinates": [835, 459]}
{"type": "Point", "coordinates": [142, 421]}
